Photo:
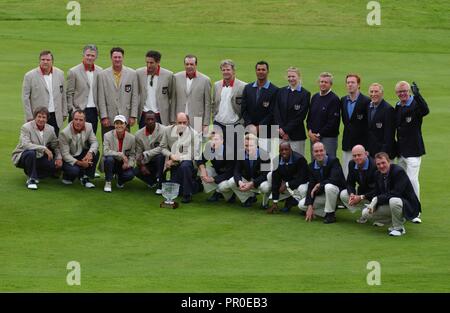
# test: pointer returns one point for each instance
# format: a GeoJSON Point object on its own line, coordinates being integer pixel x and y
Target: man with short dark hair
{"type": "Point", "coordinates": [82, 86]}
{"type": "Point", "coordinates": [44, 86]}
{"type": "Point", "coordinates": [149, 158]}
{"type": "Point", "coordinates": [37, 151]}
{"type": "Point", "coordinates": [395, 200]}
{"type": "Point", "coordinates": [258, 101]}
{"type": "Point", "coordinates": [192, 94]}
{"type": "Point", "coordinates": [118, 92]}
{"type": "Point", "coordinates": [155, 89]}
{"type": "Point", "coordinates": [79, 149]}
{"type": "Point", "coordinates": [354, 108]}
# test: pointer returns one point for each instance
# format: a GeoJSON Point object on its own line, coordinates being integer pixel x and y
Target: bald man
{"type": "Point", "coordinates": [360, 181]}
{"type": "Point", "coordinates": [326, 180]}
{"type": "Point", "coordinates": [181, 144]}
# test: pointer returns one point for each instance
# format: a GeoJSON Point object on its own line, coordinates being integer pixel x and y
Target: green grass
{"type": "Point", "coordinates": [125, 242]}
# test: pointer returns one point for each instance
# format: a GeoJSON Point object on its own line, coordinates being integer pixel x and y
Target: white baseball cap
{"type": "Point", "coordinates": [121, 118]}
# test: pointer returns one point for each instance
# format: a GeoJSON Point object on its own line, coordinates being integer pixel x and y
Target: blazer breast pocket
{"type": "Point", "coordinates": [165, 90]}
{"type": "Point", "coordinates": [128, 88]}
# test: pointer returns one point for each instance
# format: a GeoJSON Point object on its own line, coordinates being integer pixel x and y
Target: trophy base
{"type": "Point", "coordinates": [173, 205]}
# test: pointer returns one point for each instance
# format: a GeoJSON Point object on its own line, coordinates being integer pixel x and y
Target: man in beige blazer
{"type": "Point", "coordinates": [79, 149]}
{"type": "Point", "coordinates": [82, 86]}
{"type": "Point", "coordinates": [37, 151]}
{"type": "Point", "coordinates": [181, 144]}
{"type": "Point", "coordinates": [193, 95]}
{"type": "Point", "coordinates": [44, 86]}
{"type": "Point", "coordinates": [226, 105]}
{"type": "Point", "coordinates": [155, 89]}
{"type": "Point", "coordinates": [149, 158]}
{"type": "Point", "coordinates": [118, 92]}
{"type": "Point", "coordinates": [119, 154]}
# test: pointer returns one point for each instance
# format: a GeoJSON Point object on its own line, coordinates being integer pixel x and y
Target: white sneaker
{"type": "Point", "coordinates": [361, 220]}
{"type": "Point", "coordinates": [31, 184]}
{"type": "Point", "coordinates": [158, 191]}
{"type": "Point", "coordinates": [120, 186]}
{"type": "Point", "coordinates": [86, 183]}
{"type": "Point", "coordinates": [107, 187]}
{"type": "Point", "coordinates": [378, 224]}
{"type": "Point", "coordinates": [97, 175]}
{"type": "Point", "coordinates": [416, 220]}
{"type": "Point", "coordinates": [397, 232]}
{"type": "Point", "coordinates": [67, 182]}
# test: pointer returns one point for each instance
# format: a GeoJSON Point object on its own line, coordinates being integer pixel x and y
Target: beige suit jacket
{"type": "Point", "coordinates": [123, 99]}
{"type": "Point", "coordinates": [236, 97]}
{"type": "Point", "coordinates": [36, 94]}
{"type": "Point", "coordinates": [149, 146]}
{"type": "Point", "coordinates": [187, 146]}
{"type": "Point", "coordinates": [111, 147]}
{"type": "Point", "coordinates": [67, 142]}
{"type": "Point", "coordinates": [30, 139]}
{"type": "Point", "coordinates": [78, 87]}
{"type": "Point", "coordinates": [198, 99]}
{"type": "Point", "coordinates": [164, 91]}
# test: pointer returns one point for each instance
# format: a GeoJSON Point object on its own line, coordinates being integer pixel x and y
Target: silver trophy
{"type": "Point", "coordinates": [169, 192]}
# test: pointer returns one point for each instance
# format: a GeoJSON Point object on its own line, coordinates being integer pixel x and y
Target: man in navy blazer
{"type": "Point", "coordinates": [354, 108]}
{"type": "Point", "coordinates": [381, 123]}
{"type": "Point", "coordinates": [258, 101]}
{"type": "Point", "coordinates": [395, 200]}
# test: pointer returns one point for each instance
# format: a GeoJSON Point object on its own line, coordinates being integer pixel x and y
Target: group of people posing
{"type": "Point", "coordinates": [256, 135]}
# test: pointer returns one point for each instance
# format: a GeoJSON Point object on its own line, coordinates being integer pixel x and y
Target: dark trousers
{"type": "Point", "coordinates": [230, 145]}
{"type": "Point", "coordinates": [113, 166]}
{"type": "Point", "coordinates": [184, 174]}
{"type": "Point", "coordinates": [52, 121]}
{"type": "Point", "coordinates": [142, 119]}
{"type": "Point", "coordinates": [156, 167]}
{"type": "Point", "coordinates": [70, 172]}
{"type": "Point", "coordinates": [34, 167]}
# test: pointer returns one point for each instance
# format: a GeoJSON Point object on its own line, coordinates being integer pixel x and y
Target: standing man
{"type": "Point", "coordinates": [44, 86]}
{"type": "Point", "coordinates": [360, 181]}
{"type": "Point", "coordinates": [118, 92]}
{"type": "Point", "coordinates": [38, 149]}
{"type": "Point", "coordinates": [193, 94]}
{"type": "Point", "coordinates": [325, 182]}
{"type": "Point", "coordinates": [149, 158]}
{"type": "Point", "coordinates": [79, 149]}
{"type": "Point", "coordinates": [409, 113]}
{"type": "Point", "coordinates": [119, 152]}
{"type": "Point", "coordinates": [258, 101]}
{"type": "Point", "coordinates": [181, 144]}
{"type": "Point", "coordinates": [354, 108]}
{"type": "Point", "coordinates": [323, 117]}
{"type": "Point", "coordinates": [381, 123]}
{"type": "Point", "coordinates": [227, 100]}
{"type": "Point", "coordinates": [82, 83]}
{"type": "Point", "coordinates": [290, 111]}
{"type": "Point", "coordinates": [395, 200]}
{"type": "Point", "coordinates": [155, 89]}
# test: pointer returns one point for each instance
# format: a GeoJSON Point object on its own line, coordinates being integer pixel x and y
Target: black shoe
{"type": "Point", "coordinates": [329, 218]}
{"type": "Point", "coordinates": [254, 200]}
{"type": "Point", "coordinates": [186, 199]}
{"type": "Point", "coordinates": [214, 198]}
{"type": "Point", "coordinates": [232, 199]}
{"type": "Point", "coordinates": [248, 203]}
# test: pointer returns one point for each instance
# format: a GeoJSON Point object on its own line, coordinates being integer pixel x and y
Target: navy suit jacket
{"type": "Point", "coordinates": [355, 128]}
{"type": "Point", "coordinates": [295, 173]}
{"type": "Point", "coordinates": [366, 185]}
{"type": "Point", "coordinates": [381, 130]}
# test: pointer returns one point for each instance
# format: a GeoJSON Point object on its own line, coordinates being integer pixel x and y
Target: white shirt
{"type": "Point", "coordinates": [78, 144]}
{"type": "Point", "coordinates": [48, 81]}
{"type": "Point", "coordinates": [41, 133]}
{"type": "Point", "coordinates": [226, 114]}
{"type": "Point", "coordinates": [90, 103]}
{"type": "Point", "coordinates": [188, 89]}
{"type": "Point", "coordinates": [150, 103]}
